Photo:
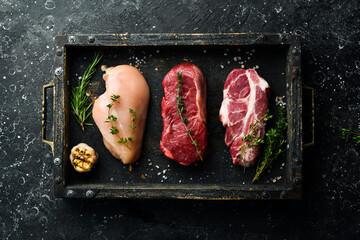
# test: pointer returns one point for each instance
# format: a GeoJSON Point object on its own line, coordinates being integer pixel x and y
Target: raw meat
{"type": "Point", "coordinates": [129, 83]}
{"type": "Point", "coordinates": [244, 104]}
{"type": "Point", "coordinates": [175, 142]}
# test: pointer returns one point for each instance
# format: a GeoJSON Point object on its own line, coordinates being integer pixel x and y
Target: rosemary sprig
{"type": "Point", "coordinates": [79, 100]}
{"type": "Point", "coordinates": [349, 134]}
{"type": "Point", "coordinates": [181, 112]}
{"type": "Point", "coordinates": [114, 129]}
{"type": "Point", "coordinates": [274, 142]}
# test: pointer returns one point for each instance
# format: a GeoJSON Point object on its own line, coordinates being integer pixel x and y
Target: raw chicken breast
{"type": "Point", "coordinates": [130, 84]}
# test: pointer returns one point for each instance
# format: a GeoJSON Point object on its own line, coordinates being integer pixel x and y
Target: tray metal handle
{"type": "Point", "coordinates": [51, 143]}
{"type": "Point", "coordinates": [312, 142]}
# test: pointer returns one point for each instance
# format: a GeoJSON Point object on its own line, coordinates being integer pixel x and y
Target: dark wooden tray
{"type": "Point", "coordinates": [276, 57]}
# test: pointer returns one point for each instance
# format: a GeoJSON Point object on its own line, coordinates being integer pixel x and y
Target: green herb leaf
{"type": "Point", "coordinates": [114, 98]}
{"type": "Point", "coordinates": [349, 134]}
{"type": "Point", "coordinates": [275, 140]}
{"type": "Point", "coordinates": [114, 130]}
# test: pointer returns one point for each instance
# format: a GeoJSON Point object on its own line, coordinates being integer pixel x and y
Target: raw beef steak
{"type": "Point", "coordinates": [244, 104]}
{"type": "Point", "coordinates": [175, 141]}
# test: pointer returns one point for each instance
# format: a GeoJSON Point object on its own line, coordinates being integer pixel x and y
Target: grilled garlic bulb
{"type": "Point", "coordinates": [83, 157]}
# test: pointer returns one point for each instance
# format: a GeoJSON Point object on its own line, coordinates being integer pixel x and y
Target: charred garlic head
{"type": "Point", "coordinates": [83, 157]}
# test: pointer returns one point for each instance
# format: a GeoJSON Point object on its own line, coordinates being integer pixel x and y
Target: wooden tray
{"type": "Point", "coordinates": [276, 57]}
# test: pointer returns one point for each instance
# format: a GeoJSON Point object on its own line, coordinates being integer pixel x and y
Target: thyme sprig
{"type": "Point", "coordinates": [349, 134]}
{"type": "Point", "coordinates": [252, 139]}
{"type": "Point", "coordinates": [114, 129]}
{"type": "Point", "coordinates": [79, 99]}
{"type": "Point", "coordinates": [132, 127]}
{"type": "Point", "coordinates": [275, 140]}
{"type": "Point", "coordinates": [181, 112]}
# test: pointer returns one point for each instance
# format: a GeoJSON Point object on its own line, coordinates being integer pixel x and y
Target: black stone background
{"type": "Point", "coordinates": [331, 63]}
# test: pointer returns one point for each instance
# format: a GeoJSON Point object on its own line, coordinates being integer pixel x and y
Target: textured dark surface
{"type": "Point", "coordinates": [330, 62]}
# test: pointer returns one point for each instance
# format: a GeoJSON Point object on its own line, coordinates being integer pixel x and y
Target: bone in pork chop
{"type": "Point", "coordinates": [244, 104]}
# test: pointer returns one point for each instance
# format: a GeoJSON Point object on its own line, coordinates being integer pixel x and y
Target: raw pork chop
{"type": "Point", "coordinates": [134, 92]}
{"type": "Point", "coordinates": [175, 142]}
{"type": "Point", "coordinates": [245, 102]}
